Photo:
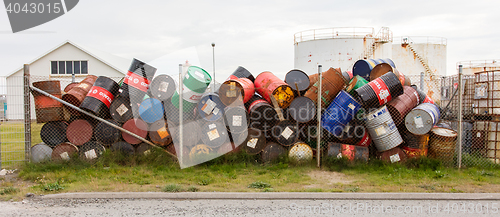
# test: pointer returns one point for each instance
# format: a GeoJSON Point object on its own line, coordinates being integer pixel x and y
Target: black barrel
{"type": "Point", "coordinates": [172, 114]}
{"type": "Point", "coordinates": [379, 91]}
{"type": "Point", "coordinates": [100, 96]}
{"type": "Point", "coordinates": [256, 141]}
{"type": "Point", "coordinates": [54, 133]}
{"type": "Point", "coordinates": [159, 134]}
{"type": "Point", "coordinates": [123, 147]}
{"type": "Point", "coordinates": [297, 78]}
{"type": "Point", "coordinates": [136, 82]}
{"type": "Point", "coordinates": [262, 115]}
{"type": "Point", "coordinates": [285, 132]}
{"type": "Point", "coordinates": [302, 109]}
{"type": "Point", "coordinates": [145, 149]}
{"type": "Point", "coordinates": [121, 109]}
{"type": "Point", "coordinates": [162, 87]}
{"type": "Point", "coordinates": [241, 72]}
{"type": "Point", "coordinates": [272, 152]}
{"type": "Point", "coordinates": [214, 134]}
{"type": "Point", "coordinates": [191, 133]}
{"type": "Point", "coordinates": [91, 151]}
{"type": "Point", "coordinates": [236, 119]}
{"type": "Point", "coordinates": [107, 134]}
{"type": "Point", "coordinates": [210, 107]}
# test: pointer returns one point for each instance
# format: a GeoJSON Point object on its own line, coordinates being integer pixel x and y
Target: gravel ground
{"type": "Point", "coordinates": [162, 207]}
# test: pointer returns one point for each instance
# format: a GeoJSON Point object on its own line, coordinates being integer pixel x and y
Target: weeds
{"type": "Point", "coordinates": [52, 187]}
{"type": "Point", "coordinates": [8, 190]}
{"type": "Point", "coordinates": [172, 188]}
{"type": "Point", "coordinates": [352, 189]}
{"type": "Point", "coordinates": [259, 185]}
{"type": "Point", "coordinates": [193, 189]}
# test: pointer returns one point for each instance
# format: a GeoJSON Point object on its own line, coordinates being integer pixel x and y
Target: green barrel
{"type": "Point", "coordinates": [355, 83]}
{"type": "Point", "coordinates": [195, 83]}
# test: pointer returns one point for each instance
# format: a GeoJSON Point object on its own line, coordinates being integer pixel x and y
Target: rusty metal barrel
{"type": "Point", "coordinates": [383, 131]}
{"type": "Point", "coordinates": [64, 152]}
{"type": "Point", "coordinates": [272, 152]}
{"type": "Point", "coordinates": [241, 72]}
{"type": "Point", "coordinates": [136, 83]}
{"type": "Point", "coordinates": [100, 96]}
{"type": "Point", "coordinates": [415, 145]}
{"type": "Point", "coordinates": [268, 85]}
{"type": "Point", "coordinates": [54, 133]}
{"type": "Point", "coordinates": [442, 144]}
{"type": "Point", "coordinates": [48, 109]}
{"type": "Point", "coordinates": [107, 134]}
{"type": "Point", "coordinates": [79, 132]}
{"type": "Point", "coordinates": [70, 86]}
{"type": "Point", "coordinates": [91, 151]}
{"type": "Point", "coordinates": [136, 126]}
{"type": "Point", "coordinates": [401, 105]}
{"type": "Point", "coordinates": [285, 133]}
{"type": "Point", "coordinates": [256, 141]}
{"type": "Point", "coordinates": [162, 87]}
{"type": "Point", "coordinates": [379, 91]}
{"type": "Point", "coordinates": [394, 155]}
{"type": "Point", "coordinates": [384, 68]}
{"type": "Point", "coordinates": [77, 94]}
{"type": "Point", "coordinates": [421, 119]}
{"type": "Point", "coordinates": [297, 79]}
{"type": "Point", "coordinates": [159, 134]}
{"type": "Point", "coordinates": [332, 83]}
{"type": "Point", "coordinates": [236, 91]}
{"type": "Point", "coordinates": [261, 114]}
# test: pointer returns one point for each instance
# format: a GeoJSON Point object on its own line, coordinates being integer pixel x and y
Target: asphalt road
{"type": "Point", "coordinates": [263, 205]}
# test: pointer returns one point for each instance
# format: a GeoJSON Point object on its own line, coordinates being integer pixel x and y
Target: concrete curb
{"type": "Point", "coordinates": [275, 196]}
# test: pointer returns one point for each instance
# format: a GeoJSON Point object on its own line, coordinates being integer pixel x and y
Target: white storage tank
{"type": "Point", "coordinates": [339, 47]}
{"type": "Point", "coordinates": [415, 54]}
{"type": "Point", "coordinates": [472, 66]}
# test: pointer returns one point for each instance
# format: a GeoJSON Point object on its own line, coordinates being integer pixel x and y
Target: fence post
{"type": "Point", "coordinates": [181, 119]}
{"type": "Point", "coordinates": [27, 113]}
{"type": "Point", "coordinates": [422, 81]}
{"type": "Point", "coordinates": [318, 116]}
{"type": "Point", "coordinates": [459, 116]}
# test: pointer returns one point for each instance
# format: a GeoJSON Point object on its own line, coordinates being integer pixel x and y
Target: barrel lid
{"type": "Point", "coordinates": [107, 134]}
{"type": "Point", "coordinates": [151, 110]}
{"type": "Point", "coordinates": [162, 87]}
{"type": "Point", "coordinates": [272, 152]}
{"type": "Point", "coordinates": [441, 131]}
{"type": "Point", "coordinates": [64, 151]}
{"type": "Point", "coordinates": [91, 151]}
{"type": "Point", "coordinates": [40, 152]}
{"type": "Point", "coordinates": [300, 153]}
{"type": "Point", "coordinates": [298, 77]}
{"type": "Point", "coordinates": [200, 152]}
{"type": "Point", "coordinates": [137, 126]}
{"type": "Point", "coordinates": [199, 74]}
{"type": "Point", "coordinates": [255, 142]}
{"type": "Point", "coordinates": [214, 134]}
{"type": "Point", "coordinates": [236, 119]}
{"type": "Point", "coordinates": [379, 70]}
{"type": "Point", "coordinates": [302, 109]}
{"type": "Point", "coordinates": [285, 132]}
{"type": "Point", "coordinates": [54, 133]}
{"type": "Point", "coordinates": [79, 132]}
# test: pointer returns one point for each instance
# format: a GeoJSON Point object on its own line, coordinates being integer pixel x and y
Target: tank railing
{"type": "Point", "coordinates": [423, 40]}
{"type": "Point", "coordinates": [329, 33]}
{"type": "Point", "coordinates": [479, 63]}
{"type": "Point", "coordinates": [384, 34]}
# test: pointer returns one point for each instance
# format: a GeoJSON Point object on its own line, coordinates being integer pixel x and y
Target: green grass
{"type": "Point", "coordinates": [172, 188]}
{"type": "Point", "coordinates": [12, 142]}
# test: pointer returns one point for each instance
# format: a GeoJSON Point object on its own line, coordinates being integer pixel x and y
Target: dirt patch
{"type": "Point", "coordinates": [329, 178]}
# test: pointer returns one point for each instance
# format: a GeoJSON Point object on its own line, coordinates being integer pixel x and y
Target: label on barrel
{"type": "Point", "coordinates": [163, 86]}
{"type": "Point", "coordinates": [365, 141]}
{"type": "Point", "coordinates": [351, 106]}
{"type": "Point", "coordinates": [395, 158]}
{"type": "Point", "coordinates": [137, 81]}
{"type": "Point", "coordinates": [163, 132]}
{"type": "Point", "coordinates": [199, 75]}
{"type": "Point", "coordinates": [64, 156]}
{"type": "Point", "coordinates": [428, 100]}
{"type": "Point", "coordinates": [237, 119]}
{"type": "Point", "coordinates": [190, 96]}
{"type": "Point", "coordinates": [216, 111]}
{"type": "Point", "coordinates": [211, 126]}
{"type": "Point", "coordinates": [212, 135]}
{"type": "Point", "coordinates": [208, 107]}
{"type": "Point", "coordinates": [419, 123]}
{"type": "Point", "coordinates": [287, 133]}
{"type": "Point", "coordinates": [102, 95]}
{"type": "Point", "coordinates": [381, 90]}
{"type": "Point", "coordinates": [90, 154]}
{"type": "Point", "coordinates": [380, 130]}
{"type": "Point", "coordinates": [122, 109]}
{"type": "Point", "coordinates": [83, 85]}
{"type": "Point", "coordinates": [252, 142]}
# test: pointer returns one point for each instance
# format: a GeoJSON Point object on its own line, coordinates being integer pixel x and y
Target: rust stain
{"type": "Point", "coordinates": [404, 45]}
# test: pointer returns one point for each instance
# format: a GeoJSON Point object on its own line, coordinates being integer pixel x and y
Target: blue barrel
{"type": "Point", "coordinates": [363, 68]}
{"type": "Point", "coordinates": [389, 61]}
{"type": "Point", "coordinates": [339, 113]}
{"type": "Point", "coordinates": [151, 110]}
{"type": "Point", "coordinates": [210, 107]}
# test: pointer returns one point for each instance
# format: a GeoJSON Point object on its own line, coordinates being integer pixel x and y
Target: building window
{"type": "Point", "coordinates": [69, 67]}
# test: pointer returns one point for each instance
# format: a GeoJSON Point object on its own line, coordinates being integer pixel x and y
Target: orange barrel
{"type": "Point", "coordinates": [107, 134]}
{"type": "Point", "coordinates": [91, 151]}
{"type": "Point", "coordinates": [77, 94]}
{"type": "Point", "coordinates": [313, 79]}
{"type": "Point", "coordinates": [236, 119]}
{"type": "Point", "coordinates": [401, 105]}
{"type": "Point", "coordinates": [297, 78]}
{"type": "Point", "coordinates": [383, 68]}
{"type": "Point", "coordinates": [256, 141]}
{"type": "Point", "coordinates": [379, 91]}
{"type": "Point", "coordinates": [415, 145]}
{"type": "Point", "coordinates": [272, 152]}
{"type": "Point", "coordinates": [40, 153]}
{"type": "Point", "coordinates": [123, 147]}
{"type": "Point", "coordinates": [302, 109]}
{"type": "Point", "coordinates": [235, 91]}
{"type": "Point", "coordinates": [100, 96]}
{"type": "Point", "coordinates": [79, 132]}
{"type": "Point", "coordinates": [48, 109]}
{"type": "Point", "coordinates": [442, 144]}
{"type": "Point", "coordinates": [300, 153]}
{"type": "Point", "coordinates": [70, 86]}
{"type": "Point", "coordinates": [162, 87]}
{"type": "Point", "coordinates": [267, 85]}
{"type": "Point", "coordinates": [285, 133]}
{"type": "Point", "coordinates": [159, 134]}
{"type": "Point", "coordinates": [54, 133]}
{"type": "Point", "coordinates": [332, 83]}
{"type": "Point", "coordinates": [64, 152]}
{"type": "Point", "coordinates": [241, 72]}
{"type": "Point", "coordinates": [136, 82]}
{"type": "Point", "coordinates": [121, 109]}
{"type": "Point", "coordinates": [393, 155]}
{"type": "Point", "coordinates": [136, 126]}
{"type": "Point", "coordinates": [261, 114]}
{"type": "Point", "coordinates": [191, 133]}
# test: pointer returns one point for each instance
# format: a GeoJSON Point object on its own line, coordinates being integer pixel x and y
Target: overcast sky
{"type": "Point", "coordinates": [255, 34]}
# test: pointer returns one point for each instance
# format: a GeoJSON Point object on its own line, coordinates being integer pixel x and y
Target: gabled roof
{"type": "Point", "coordinates": [120, 64]}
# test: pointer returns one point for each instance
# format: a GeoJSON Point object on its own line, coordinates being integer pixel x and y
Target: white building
{"type": "Point", "coordinates": [60, 63]}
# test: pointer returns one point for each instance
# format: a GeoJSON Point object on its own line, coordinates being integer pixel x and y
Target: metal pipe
{"type": "Point", "coordinates": [460, 116]}
{"type": "Point", "coordinates": [213, 57]}
{"type": "Point", "coordinates": [99, 119]}
{"type": "Point", "coordinates": [181, 118]}
{"type": "Point", "coordinates": [27, 113]}
{"type": "Point", "coordinates": [318, 116]}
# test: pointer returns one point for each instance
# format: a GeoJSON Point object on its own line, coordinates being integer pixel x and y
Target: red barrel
{"type": "Point", "coordinates": [64, 152]}
{"type": "Point", "coordinates": [70, 86]}
{"type": "Point", "coordinates": [267, 85]}
{"type": "Point", "coordinates": [136, 126]}
{"type": "Point", "coordinates": [79, 132]}
{"type": "Point", "coordinates": [48, 109]}
{"type": "Point", "coordinates": [235, 91]}
{"type": "Point", "coordinates": [100, 96]}
{"type": "Point", "coordinates": [401, 105]}
{"type": "Point", "coordinates": [332, 83]}
{"type": "Point", "coordinates": [159, 134]}
{"type": "Point", "coordinates": [379, 91]}
{"type": "Point", "coordinates": [394, 155]}
{"type": "Point", "coordinates": [77, 94]}
{"type": "Point", "coordinates": [136, 82]}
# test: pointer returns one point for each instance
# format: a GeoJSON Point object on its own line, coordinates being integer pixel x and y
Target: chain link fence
{"type": "Point", "coordinates": [371, 112]}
